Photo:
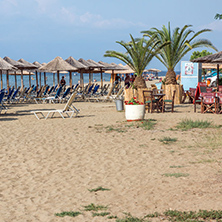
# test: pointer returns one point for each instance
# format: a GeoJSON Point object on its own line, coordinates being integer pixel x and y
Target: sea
{"type": "Point", "coordinates": [49, 77]}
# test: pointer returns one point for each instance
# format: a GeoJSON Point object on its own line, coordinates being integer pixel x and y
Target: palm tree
{"type": "Point", "coordinates": [179, 46]}
{"type": "Point", "coordinates": [139, 52]}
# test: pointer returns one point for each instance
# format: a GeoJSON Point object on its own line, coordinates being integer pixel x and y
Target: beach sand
{"type": "Point", "coordinates": [47, 166]}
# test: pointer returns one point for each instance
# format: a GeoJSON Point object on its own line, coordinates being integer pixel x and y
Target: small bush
{"type": "Point", "coordinates": [98, 189]}
{"type": "Point", "coordinates": [167, 140]}
{"type": "Point", "coordinates": [68, 213]}
{"type": "Point", "coordinates": [93, 207]}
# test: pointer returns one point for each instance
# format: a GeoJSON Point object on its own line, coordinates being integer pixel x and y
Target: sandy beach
{"type": "Point", "coordinates": [47, 166]}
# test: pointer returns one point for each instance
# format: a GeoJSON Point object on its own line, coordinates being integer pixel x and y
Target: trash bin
{"type": "Point", "coordinates": [119, 104]}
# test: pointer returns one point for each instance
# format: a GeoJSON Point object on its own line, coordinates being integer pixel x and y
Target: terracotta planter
{"type": "Point", "coordinates": [134, 112]}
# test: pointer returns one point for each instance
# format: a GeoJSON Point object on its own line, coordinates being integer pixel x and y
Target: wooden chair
{"type": "Point", "coordinates": [149, 100]}
{"type": "Point", "coordinates": [219, 102]}
{"type": "Point", "coordinates": [169, 102]}
{"type": "Point", "coordinates": [208, 103]}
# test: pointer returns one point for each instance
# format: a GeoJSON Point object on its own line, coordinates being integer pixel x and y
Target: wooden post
{"type": "Point", "coordinates": [218, 70]}
{"type": "Point", "coordinates": [112, 77]}
{"type": "Point", "coordinates": [40, 80]}
{"type": "Point", "coordinates": [22, 83]}
{"type": "Point", "coordinates": [81, 79]}
{"type": "Point", "coordinates": [101, 78]}
{"type": "Point", "coordinates": [53, 79]}
{"type": "Point", "coordinates": [70, 78]}
{"type": "Point", "coordinates": [30, 84]}
{"type": "Point", "coordinates": [1, 79]}
{"type": "Point", "coordinates": [58, 77]}
{"type": "Point", "coordinates": [90, 77]}
{"type": "Point", "coordinates": [44, 78]}
{"type": "Point", "coordinates": [36, 79]}
{"type": "Point", "coordinates": [15, 80]}
{"type": "Point", "coordinates": [7, 79]}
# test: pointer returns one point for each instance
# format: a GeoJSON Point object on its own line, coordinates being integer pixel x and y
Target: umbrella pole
{"type": "Point", "coordinates": [53, 79]}
{"type": "Point", "coordinates": [45, 78]}
{"type": "Point", "coordinates": [1, 79]}
{"type": "Point", "coordinates": [15, 80]}
{"type": "Point", "coordinates": [70, 79]}
{"type": "Point", "coordinates": [112, 77]}
{"type": "Point", "coordinates": [30, 80]}
{"type": "Point", "coordinates": [90, 77]}
{"type": "Point", "coordinates": [36, 78]}
{"type": "Point", "coordinates": [101, 78]}
{"type": "Point", "coordinates": [58, 77]}
{"type": "Point", "coordinates": [218, 77]}
{"type": "Point", "coordinates": [7, 79]}
{"type": "Point", "coordinates": [22, 83]}
{"type": "Point", "coordinates": [81, 79]}
{"type": "Point", "coordinates": [40, 79]}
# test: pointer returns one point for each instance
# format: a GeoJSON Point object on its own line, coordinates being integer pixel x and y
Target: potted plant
{"type": "Point", "coordinates": [134, 110]}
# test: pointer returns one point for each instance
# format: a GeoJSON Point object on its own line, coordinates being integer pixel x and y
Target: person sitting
{"type": "Point", "coordinates": [62, 82]}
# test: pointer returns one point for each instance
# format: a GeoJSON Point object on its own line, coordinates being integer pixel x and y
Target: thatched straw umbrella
{"type": "Point", "coordinates": [5, 66]}
{"type": "Point", "coordinates": [18, 65]}
{"type": "Point", "coordinates": [96, 65]}
{"type": "Point", "coordinates": [214, 58]}
{"type": "Point", "coordinates": [57, 65]}
{"type": "Point", "coordinates": [78, 65]}
{"type": "Point", "coordinates": [28, 66]}
{"type": "Point", "coordinates": [113, 69]}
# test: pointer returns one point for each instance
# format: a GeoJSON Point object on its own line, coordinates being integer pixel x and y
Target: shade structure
{"type": "Point", "coordinates": [5, 66]}
{"type": "Point", "coordinates": [19, 65]}
{"type": "Point", "coordinates": [79, 66]}
{"type": "Point", "coordinates": [57, 65]}
{"type": "Point", "coordinates": [210, 66]}
{"type": "Point", "coordinates": [152, 70]}
{"type": "Point", "coordinates": [208, 58]}
{"type": "Point", "coordinates": [76, 64]}
{"type": "Point", "coordinates": [28, 65]}
{"type": "Point", "coordinates": [214, 58]}
{"type": "Point", "coordinates": [120, 69]}
{"type": "Point", "coordinates": [36, 63]}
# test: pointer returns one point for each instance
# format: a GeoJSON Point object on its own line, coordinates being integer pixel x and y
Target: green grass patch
{"type": "Point", "coordinates": [93, 207]}
{"type": "Point", "coordinates": [177, 166]}
{"type": "Point", "coordinates": [187, 124]}
{"type": "Point", "coordinates": [68, 213]}
{"type": "Point", "coordinates": [147, 124]}
{"type": "Point", "coordinates": [177, 175]}
{"type": "Point", "coordinates": [167, 140]}
{"type": "Point", "coordinates": [98, 189]}
{"type": "Point", "coordinates": [111, 129]}
{"type": "Point", "coordinates": [102, 214]}
{"type": "Point", "coordinates": [112, 217]}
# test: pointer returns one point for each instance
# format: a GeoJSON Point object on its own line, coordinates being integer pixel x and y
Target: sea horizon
{"type": "Point", "coordinates": [49, 76]}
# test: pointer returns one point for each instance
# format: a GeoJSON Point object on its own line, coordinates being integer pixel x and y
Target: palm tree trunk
{"type": "Point", "coordinates": [139, 82]}
{"type": "Point", "coordinates": [171, 77]}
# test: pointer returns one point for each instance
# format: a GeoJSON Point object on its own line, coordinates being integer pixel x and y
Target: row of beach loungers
{"type": "Point", "coordinates": [59, 94]}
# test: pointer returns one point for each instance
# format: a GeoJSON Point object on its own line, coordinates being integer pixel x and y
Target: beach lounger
{"type": "Point", "coordinates": [2, 106]}
{"type": "Point", "coordinates": [69, 110]}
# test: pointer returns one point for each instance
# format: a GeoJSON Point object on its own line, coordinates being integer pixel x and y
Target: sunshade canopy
{"type": "Point", "coordinates": [75, 63]}
{"type": "Point", "coordinates": [57, 64]}
{"type": "Point", "coordinates": [6, 66]}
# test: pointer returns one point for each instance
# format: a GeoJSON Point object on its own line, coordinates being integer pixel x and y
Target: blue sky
{"type": "Point", "coordinates": [40, 30]}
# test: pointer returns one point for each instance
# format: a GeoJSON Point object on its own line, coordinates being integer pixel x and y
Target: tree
{"type": "Point", "coordinates": [139, 53]}
{"type": "Point", "coordinates": [179, 46]}
{"type": "Point", "coordinates": [218, 16]}
{"type": "Point", "coordinates": [197, 54]}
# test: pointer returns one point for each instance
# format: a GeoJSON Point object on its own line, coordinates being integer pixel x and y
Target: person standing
{"type": "Point", "coordinates": [62, 82]}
